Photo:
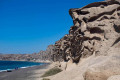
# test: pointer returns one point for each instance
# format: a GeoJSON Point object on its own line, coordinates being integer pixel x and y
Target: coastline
{"type": "Point", "coordinates": [30, 73]}
{"type": "Point", "coordinates": [41, 61]}
{"type": "Point", "coordinates": [21, 67]}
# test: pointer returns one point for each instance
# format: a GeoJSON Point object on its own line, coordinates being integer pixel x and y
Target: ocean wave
{"type": "Point", "coordinates": [14, 65]}
{"type": "Point", "coordinates": [28, 66]}
{"type": "Point", "coordinates": [3, 70]}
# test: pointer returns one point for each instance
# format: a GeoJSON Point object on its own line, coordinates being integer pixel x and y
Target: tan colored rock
{"type": "Point", "coordinates": [93, 43]}
{"type": "Point", "coordinates": [95, 29]}
{"type": "Point", "coordinates": [114, 77]}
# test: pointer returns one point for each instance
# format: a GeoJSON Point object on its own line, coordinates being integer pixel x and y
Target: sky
{"type": "Point", "coordinates": [29, 26]}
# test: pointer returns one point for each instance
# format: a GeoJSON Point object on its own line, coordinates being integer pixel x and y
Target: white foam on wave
{"type": "Point", "coordinates": [3, 70]}
{"type": "Point", "coordinates": [6, 70]}
{"type": "Point", "coordinates": [28, 66]}
{"type": "Point", "coordinates": [23, 67]}
{"type": "Point", "coordinates": [20, 67]}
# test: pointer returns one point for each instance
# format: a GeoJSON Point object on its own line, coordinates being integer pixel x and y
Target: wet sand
{"type": "Point", "coordinates": [31, 73]}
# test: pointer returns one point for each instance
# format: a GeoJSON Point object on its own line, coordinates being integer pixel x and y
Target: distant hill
{"type": "Point", "coordinates": [39, 57]}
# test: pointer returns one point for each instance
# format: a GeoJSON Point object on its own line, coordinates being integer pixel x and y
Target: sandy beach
{"type": "Point", "coordinates": [31, 73]}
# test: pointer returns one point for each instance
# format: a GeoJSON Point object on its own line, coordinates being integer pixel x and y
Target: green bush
{"type": "Point", "coordinates": [45, 79]}
{"type": "Point", "coordinates": [51, 72]}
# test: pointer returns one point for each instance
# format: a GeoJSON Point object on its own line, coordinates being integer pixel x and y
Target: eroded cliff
{"type": "Point", "coordinates": [96, 28]}
{"type": "Point", "coordinates": [93, 43]}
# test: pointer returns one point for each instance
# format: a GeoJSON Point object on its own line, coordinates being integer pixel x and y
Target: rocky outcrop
{"type": "Point", "coordinates": [93, 43]}
{"type": "Point", "coordinates": [47, 54]}
{"type": "Point", "coordinates": [96, 28]}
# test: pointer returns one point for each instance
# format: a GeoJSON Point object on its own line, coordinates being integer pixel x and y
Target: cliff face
{"type": "Point", "coordinates": [96, 28]}
{"type": "Point", "coordinates": [93, 43]}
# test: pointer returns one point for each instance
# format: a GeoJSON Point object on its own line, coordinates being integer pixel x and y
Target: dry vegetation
{"type": "Point", "coordinates": [51, 72]}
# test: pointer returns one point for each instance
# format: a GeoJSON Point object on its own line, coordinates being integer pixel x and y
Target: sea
{"type": "Point", "coordinates": [12, 65]}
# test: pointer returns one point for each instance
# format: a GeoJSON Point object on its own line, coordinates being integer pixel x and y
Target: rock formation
{"type": "Point", "coordinates": [96, 28]}
{"type": "Point", "coordinates": [93, 43]}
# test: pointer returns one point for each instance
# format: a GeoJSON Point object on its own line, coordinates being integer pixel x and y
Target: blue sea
{"type": "Point", "coordinates": [4, 65]}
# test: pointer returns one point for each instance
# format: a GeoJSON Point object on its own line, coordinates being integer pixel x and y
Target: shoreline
{"type": "Point", "coordinates": [21, 67]}
{"type": "Point", "coordinates": [30, 73]}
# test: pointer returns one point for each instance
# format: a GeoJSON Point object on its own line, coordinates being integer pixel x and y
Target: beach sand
{"type": "Point", "coordinates": [31, 73]}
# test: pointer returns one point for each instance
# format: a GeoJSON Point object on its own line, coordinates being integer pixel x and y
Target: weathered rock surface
{"type": "Point", "coordinates": [115, 77]}
{"type": "Point", "coordinates": [96, 28]}
{"type": "Point", "coordinates": [93, 42]}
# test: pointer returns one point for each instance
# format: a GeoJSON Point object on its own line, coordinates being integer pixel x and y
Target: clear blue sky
{"type": "Point", "coordinates": [28, 26]}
